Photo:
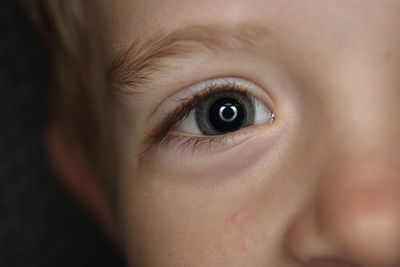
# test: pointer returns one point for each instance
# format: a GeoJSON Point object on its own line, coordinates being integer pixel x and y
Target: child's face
{"type": "Point", "coordinates": [223, 183]}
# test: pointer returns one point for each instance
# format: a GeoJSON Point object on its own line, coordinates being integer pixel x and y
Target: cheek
{"type": "Point", "coordinates": [186, 225]}
{"type": "Point", "coordinates": [214, 211]}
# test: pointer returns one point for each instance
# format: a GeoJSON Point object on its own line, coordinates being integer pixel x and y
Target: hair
{"type": "Point", "coordinates": [77, 93]}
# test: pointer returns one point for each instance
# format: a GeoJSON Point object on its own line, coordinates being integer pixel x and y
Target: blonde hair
{"type": "Point", "coordinates": [75, 72]}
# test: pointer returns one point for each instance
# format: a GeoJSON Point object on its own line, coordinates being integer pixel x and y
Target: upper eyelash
{"type": "Point", "coordinates": [160, 133]}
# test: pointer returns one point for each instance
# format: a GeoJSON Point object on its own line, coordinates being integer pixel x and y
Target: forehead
{"type": "Point", "coordinates": [344, 20]}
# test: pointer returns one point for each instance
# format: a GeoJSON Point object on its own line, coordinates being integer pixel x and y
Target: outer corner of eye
{"type": "Point", "coordinates": [263, 114]}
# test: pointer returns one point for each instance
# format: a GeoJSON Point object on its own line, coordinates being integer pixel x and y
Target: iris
{"type": "Point", "coordinates": [224, 112]}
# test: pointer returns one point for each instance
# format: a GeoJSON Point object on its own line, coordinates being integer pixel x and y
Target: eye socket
{"type": "Point", "coordinates": [225, 111]}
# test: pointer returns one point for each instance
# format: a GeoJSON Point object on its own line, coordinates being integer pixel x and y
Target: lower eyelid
{"type": "Point", "coordinates": [178, 141]}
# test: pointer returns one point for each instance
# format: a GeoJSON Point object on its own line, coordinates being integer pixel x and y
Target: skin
{"type": "Point", "coordinates": [318, 187]}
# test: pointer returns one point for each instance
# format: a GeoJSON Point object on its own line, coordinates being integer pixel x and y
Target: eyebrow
{"type": "Point", "coordinates": [130, 68]}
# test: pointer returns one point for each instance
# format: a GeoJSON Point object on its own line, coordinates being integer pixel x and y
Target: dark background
{"type": "Point", "coordinates": [40, 225]}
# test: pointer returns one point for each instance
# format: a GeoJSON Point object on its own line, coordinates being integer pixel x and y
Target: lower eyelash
{"type": "Point", "coordinates": [182, 143]}
{"type": "Point", "coordinates": [204, 144]}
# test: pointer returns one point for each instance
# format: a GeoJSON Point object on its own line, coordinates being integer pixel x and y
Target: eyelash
{"type": "Point", "coordinates": [161, 134]}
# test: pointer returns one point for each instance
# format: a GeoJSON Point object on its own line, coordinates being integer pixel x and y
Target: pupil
{"type": "Point", "coordinates": [226, 115]}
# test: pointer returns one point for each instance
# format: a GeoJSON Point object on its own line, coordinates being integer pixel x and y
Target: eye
{"type": "Point", "coordinates": [207, 112]}
{"type": "Point", "coordinates": [225, 111]}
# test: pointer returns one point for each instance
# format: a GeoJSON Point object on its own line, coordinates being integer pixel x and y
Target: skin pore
{"type": "Point", "coordinates": [319, 186]}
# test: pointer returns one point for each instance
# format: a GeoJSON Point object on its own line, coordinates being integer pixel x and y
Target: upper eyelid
{"type": "Point", "coordinates": [183, 95]}
{"type": "Point", "coordinates": [161, 103]}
